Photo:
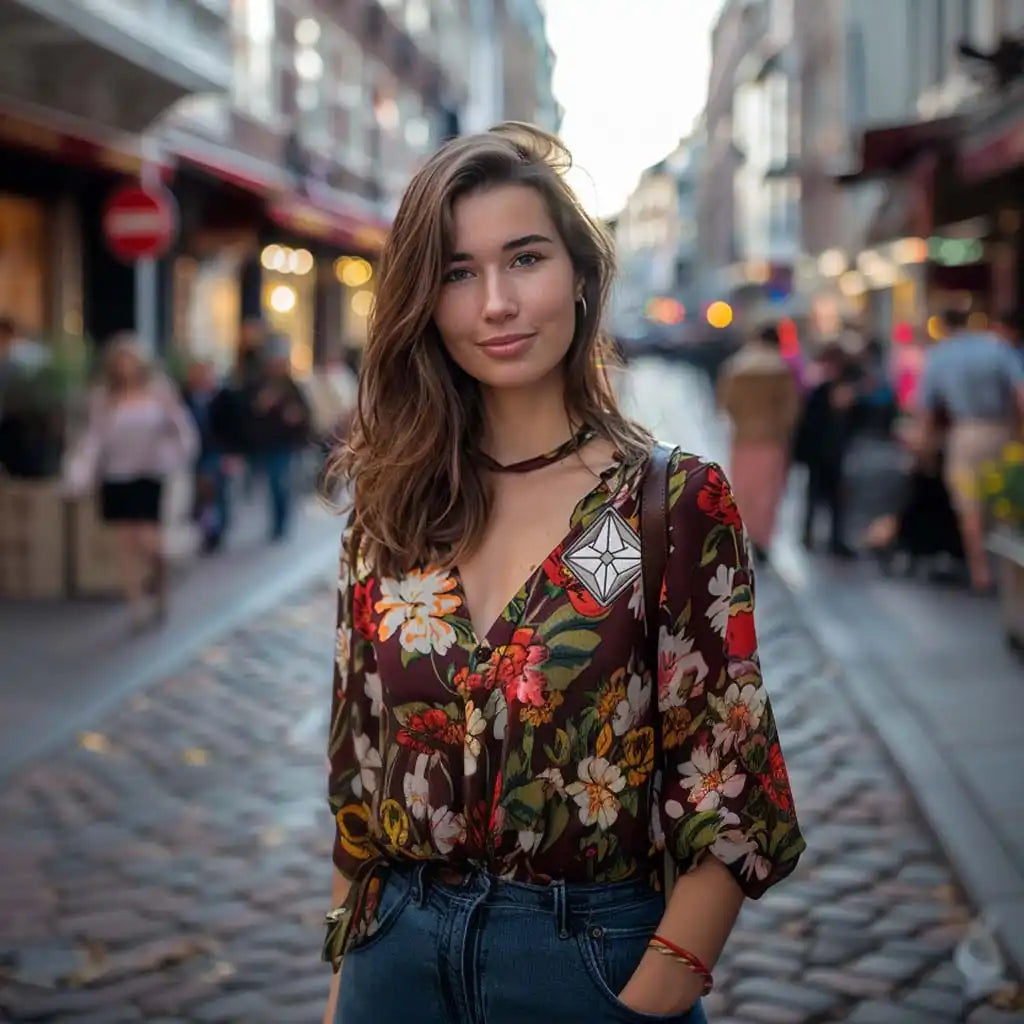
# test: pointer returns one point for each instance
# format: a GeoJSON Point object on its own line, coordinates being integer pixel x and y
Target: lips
{"type": "Point", "coordinates": [507, 344]}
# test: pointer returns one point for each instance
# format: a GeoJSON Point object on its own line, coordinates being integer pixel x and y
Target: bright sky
{"type": "Point", "coordinates": [632, 76]}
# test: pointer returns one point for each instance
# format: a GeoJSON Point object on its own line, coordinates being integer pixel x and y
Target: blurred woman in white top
{"type": "Point", "coordinates": [139, 432]}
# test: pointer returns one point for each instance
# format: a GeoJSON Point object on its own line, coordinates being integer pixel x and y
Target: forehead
{"type": "Point", "coordinates": [484, 220]}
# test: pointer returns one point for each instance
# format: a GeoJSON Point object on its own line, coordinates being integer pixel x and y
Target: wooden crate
{"type": "Point", "coordinates": [33, 545]}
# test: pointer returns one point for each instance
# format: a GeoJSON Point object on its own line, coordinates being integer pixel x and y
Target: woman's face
{"type": "Point", "coordinates": [507, 309]}
{"type": "Point", "coordinates": [126, 369]}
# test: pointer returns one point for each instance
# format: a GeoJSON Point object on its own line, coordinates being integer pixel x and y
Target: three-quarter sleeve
{"type": "Point", "coordinates": [354, 761]}
{"type": "Point", "coordinates": [725, 788]}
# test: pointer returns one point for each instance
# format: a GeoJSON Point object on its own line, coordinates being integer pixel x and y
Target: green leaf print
{"type": "Point", "coordinates": [629, 801]}
{"type": "Point", "coordinates": [564, 617]}
{"type": "Point", "coordinates": [559, 815]}
{"type": "Point", "coordinates": [559, 754]}
{"type": "Point", "coordinates": [524, 805]}
{"type": "Point", "coordinates": [573, 641]}
{"type": "Point", "coordinates": [527, 745]}
{"type": "Point", "coordinates": [403, 712]}
{"type": "Point", "coordinates": [710, 551]}
{"type": "Point", "coordinates": [699, 831]}
{"type": "Point", "coordinates": [675, 486]}
{"type": "Point", "coordinates": [514, 764]}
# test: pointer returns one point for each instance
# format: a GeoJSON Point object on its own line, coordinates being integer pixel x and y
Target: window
{"type": "Point", "coordinates": [311, 92]}
{"type": "Point", "coordinates": [856, 76]}
{"type": "Point", "coordinates": [255, 76]}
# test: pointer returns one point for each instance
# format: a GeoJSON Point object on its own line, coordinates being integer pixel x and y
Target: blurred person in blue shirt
{"type": "Point", "coordinates": [1010, 327]}
{"type": "Point", "coordinates": [973, 384]}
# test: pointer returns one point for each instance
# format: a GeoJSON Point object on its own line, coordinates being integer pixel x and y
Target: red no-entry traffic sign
{"type": "Point", "coordinates": [140, 223]}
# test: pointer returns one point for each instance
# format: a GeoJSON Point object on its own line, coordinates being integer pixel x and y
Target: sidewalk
{"type": "Point", "coordinates": [63, 664]}
{"type": "Point", "coordinates": [928, 668]}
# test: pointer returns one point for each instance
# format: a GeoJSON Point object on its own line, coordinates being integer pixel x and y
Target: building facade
{"type": "Point", "coordinates": [283, 130]}
{"type": "Point", "coordinates": [657, 245]}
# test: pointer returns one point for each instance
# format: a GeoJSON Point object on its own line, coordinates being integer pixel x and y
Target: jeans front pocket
{"type": "Point", "coordinates": [611, 955]}
{"type": "Point", "coordinates": [395, 894]}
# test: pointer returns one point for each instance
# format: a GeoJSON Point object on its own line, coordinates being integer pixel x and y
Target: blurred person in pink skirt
{"type": "Point", "coordinates": [759, 393]}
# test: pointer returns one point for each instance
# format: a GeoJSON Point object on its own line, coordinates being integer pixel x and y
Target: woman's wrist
{"type": "Point", "coordinates": [660, 985]}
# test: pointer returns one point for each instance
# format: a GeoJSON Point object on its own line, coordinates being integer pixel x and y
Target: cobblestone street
{"type": "Point", "coordinates": [174, 864]}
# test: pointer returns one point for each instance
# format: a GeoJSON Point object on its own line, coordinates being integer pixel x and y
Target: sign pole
{"type": "Point", "coordinates": [146, 279]}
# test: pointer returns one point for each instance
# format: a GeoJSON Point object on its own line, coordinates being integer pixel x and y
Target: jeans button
{"type": "Point", "coordinates": [596, 932]}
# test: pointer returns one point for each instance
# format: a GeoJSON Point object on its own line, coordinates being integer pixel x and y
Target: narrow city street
{"type": "Point", "coordinates": [171, 862]}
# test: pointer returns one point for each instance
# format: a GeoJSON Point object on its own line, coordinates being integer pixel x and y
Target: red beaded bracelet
{"type": "Point", "coordinates": [684, 957]}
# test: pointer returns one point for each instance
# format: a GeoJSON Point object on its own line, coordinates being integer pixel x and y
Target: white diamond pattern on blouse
{"type": "Point", "coordinates": [606, 558]}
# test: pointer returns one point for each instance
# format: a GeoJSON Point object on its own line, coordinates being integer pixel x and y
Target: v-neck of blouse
{"type": "Point", "coordinates": [582, 515]}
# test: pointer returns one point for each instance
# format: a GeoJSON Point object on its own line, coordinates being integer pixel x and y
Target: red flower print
{"type": "Point", "coordinates": [775, 782]}
{"type": "Point", "coordinates": [741, 636]}
{"type": "Point", "coordinates": [716, 499]}
{"type": "Point", "coordinates": [513, 667]}
{"type": "Point", "coordinates": [466, 682]}
{"type": "Point", "coordinates": [430, 730]}
{"type": "Point", "coordinates": [362, 610]}
{"type": "Point", "coordinates": [558, 573]}
{"type": "Point", "coordinates": [497, 819]}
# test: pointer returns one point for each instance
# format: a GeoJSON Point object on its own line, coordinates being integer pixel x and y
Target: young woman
{"type": "Point", "coordinates": [500, 805]}
{"type": "Point", "coordinates": [139, 431]}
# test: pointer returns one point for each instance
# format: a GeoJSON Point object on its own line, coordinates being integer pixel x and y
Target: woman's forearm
{"type": "Point", "coordinates": [699, 917]}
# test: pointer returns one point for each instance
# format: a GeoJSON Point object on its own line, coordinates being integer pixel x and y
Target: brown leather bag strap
{"type": "Point", "coordinates": [654, 538]}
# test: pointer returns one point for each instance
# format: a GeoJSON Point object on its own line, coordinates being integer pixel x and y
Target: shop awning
{"type": "Point", "coordinates": [993, 142]}
{"type": "Point", "coordinates": [118, 66]}
{"type": "Point", "coordinates": [889, 149]}
{"type": "Point", "coordinates": [330, 220]}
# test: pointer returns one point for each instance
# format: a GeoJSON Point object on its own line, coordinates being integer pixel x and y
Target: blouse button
{"type": "Point", "coordinates": [483, 653]}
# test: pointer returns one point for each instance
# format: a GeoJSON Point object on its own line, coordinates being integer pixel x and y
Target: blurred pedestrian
{"type": "Point", "coordinates": [138, 433]}
{"type": "Point", "coordinates": [759, 393]}
{"type": "Point", "coordinates": [974, 383]}
{"type": "Point", "coordinates": [1010, 327]}
{"type": "Point", "coordinates": [209, 405]}
{"type": "Point", "coordinates": [511, 744]}
{"type": "Point", "coordinates": [278, 418]}
{"type": "Point", "coordinates": [823, 439]}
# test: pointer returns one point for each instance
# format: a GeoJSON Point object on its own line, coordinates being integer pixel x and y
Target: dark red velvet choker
{"type": "Point", "coordinates": [577, 441]}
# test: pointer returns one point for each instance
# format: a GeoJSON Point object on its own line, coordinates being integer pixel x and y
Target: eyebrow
{"type": "Point", "coordinates": [514, 243]}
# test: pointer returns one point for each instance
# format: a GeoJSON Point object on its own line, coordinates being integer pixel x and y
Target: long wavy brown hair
{"type": "Point", "coordinates": [412, 458]}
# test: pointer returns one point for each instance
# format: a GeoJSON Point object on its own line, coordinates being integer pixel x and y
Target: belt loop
{"type": "Point", "coordinates": [419, 883]}
{"type": "Point", "coordinates": [561, 909]}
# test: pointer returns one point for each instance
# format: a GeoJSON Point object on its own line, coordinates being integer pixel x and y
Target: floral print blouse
{"type": "Point", "coordinates": [531, 752]}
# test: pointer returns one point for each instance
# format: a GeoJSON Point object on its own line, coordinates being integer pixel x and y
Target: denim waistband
{"type": "Point", "coordinates": [560, 898]}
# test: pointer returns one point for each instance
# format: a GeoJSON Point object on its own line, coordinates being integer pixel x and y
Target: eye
{"type": "Point", "coordinates": [527, 259]}
{"type": "Point", "coordinates": [455, 275]}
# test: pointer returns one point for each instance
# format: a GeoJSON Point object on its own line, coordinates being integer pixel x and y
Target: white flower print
{"type": "Point", "coordinates": [681, 670]}
{"type": "Point", "coordinates": [720, 588]}
{"type": "Point", "coordinates": [496, 711]}
{"type": "Point", "coordinates": [447, 828]}
{"type": "Point", "coordinates": [476, 725]}
{"type": "Point", "coordinates": [417, 789]}
{"type": "Point", "coordinates": [598, 782]}
{"type": "Point", "coordinates": [375, 691]}
{"type": "Point", "coordinates": [414, 607]}
{"type": "Point", "coordinates": [631, 711]}
{"type": "Point", "coordinates": [739, 711]}
{"type": "Point", "coordinates": [636, 600]}
{"type": "Point", "coordinates": [730, 846]}
{"type": "Point", "coordinates": [708, 782]}
{"type": "Point", "coordinates": [554, 776]}
{"type": "Point", "coordinates": [342, 655]}
{"type": "Point", "coordinates": [369, 760]}
{"type": "Point", "coordinates": [530, 840]}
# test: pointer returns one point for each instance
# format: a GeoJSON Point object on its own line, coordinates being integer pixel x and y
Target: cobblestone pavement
{"type": "Point", "coordinates": [174, 865]}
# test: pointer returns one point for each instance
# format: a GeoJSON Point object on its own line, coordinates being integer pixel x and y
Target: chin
{"type": "Point", "coordinates": [514, 376]}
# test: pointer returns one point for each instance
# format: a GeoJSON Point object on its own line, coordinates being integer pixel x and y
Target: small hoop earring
{"type": "Point", "coordinates": [582, 300]}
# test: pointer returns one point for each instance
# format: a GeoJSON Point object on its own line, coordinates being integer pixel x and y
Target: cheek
{"type": "Point", "coordinates": [453, 318]}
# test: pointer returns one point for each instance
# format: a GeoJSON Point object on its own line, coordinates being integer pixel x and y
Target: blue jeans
{"type": "Point", "coordinates": [278, 467]}
{"type": "Point", "coordinates": [488, 951]}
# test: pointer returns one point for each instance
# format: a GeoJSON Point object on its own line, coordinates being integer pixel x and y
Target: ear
{"type": "Point", "coordinates": [579, 287]}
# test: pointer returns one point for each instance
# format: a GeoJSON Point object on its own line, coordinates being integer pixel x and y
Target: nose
{"type": "Point", "coordinates": [499, 298]}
